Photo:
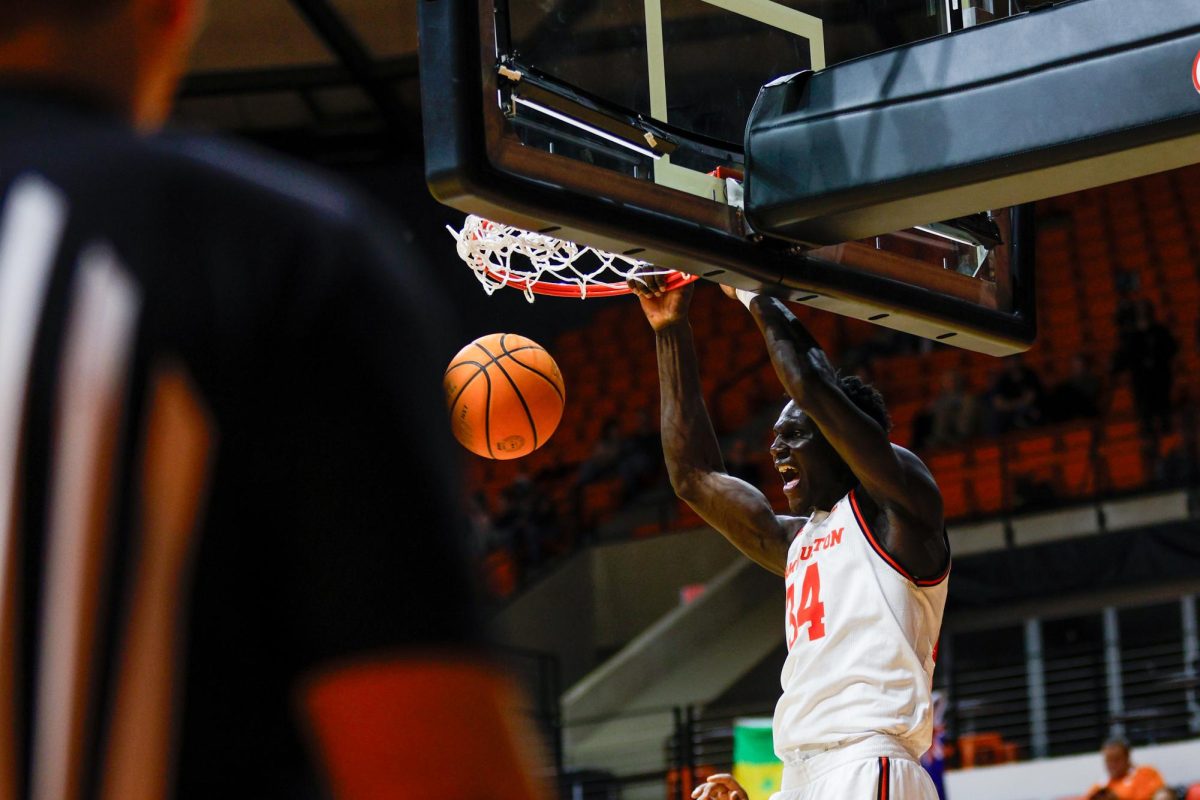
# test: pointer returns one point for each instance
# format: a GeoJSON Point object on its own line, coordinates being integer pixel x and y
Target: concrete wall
{"type": "Point", "coordinates": [605, 596]}
{"type": "Point", "coordinates": [556, 616]}
{"type": "Point", "coordinates": [636, 583]}
{"type": "Point", "coordinates": [671, 662]}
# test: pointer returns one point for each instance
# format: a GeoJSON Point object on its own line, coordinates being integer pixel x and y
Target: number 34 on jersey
{"type": "Point", "coordinates": [808, 615]}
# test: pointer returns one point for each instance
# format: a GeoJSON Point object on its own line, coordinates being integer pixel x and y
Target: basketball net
{"type": "Point", "coordinates": [501, 255]}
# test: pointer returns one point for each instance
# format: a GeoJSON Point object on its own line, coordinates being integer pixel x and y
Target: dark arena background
{"type": "Point", "coordinates": [650, 650]}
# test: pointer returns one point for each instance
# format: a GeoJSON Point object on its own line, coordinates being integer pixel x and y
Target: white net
{"type": "Point", "coordinates": [501, 255]}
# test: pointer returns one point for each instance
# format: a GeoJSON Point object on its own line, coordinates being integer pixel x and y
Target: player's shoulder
{"type": "Point", "coordinates": [910, 460]}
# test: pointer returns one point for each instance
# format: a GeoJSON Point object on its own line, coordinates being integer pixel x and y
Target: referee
{"type": "Point", "coordinates": [227, 516]}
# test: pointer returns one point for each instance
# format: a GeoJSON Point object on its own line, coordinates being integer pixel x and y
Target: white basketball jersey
{"type": "Point", "coordinates": [861, 636]}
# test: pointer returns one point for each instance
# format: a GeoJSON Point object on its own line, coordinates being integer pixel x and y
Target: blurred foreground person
{"type": "Point", "coordinates": [228, 533]}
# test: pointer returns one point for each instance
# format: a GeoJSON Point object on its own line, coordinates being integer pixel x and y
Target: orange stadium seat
{"type": "Point", "coordinates": [952, 480]}
{"type": "Point", "coordinates": [944, 465]}
{"type": "Point", "coordinates": [1124, 464]}
{"type": "Point", "coordinates": [946, 358]}
{"type": "Point", "coordinates": [956, 501]}
{"type": "Point", "coordinates": [601, 497]}
{"type": "Point", "coordinates": [1121, 401]}
{"type": "Point", "coordinates": [1035, 449]}
{"type": "Point", "coordinates": [1149, 228]}
{"type": "Point", "coordinates": [734, 407]}
{"type": "Point", "coordinates": [980, 749]}
{"type": "Point", "coordinates": [1058, 276]}
{"type": "Point", "coordinates": [1120, 430]}
{"type": "Point", "coordinates": [986, 483]}
{"type": "Point", "coordinates": [685, 517]}
{"type": "Point", "coordinates": [904, 412]}
{"type": "Point", "coordinates": [500, 573]}
{"type": "Point", "coordinates": [1078, 477]}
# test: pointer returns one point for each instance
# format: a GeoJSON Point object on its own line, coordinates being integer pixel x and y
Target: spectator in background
{"type": "Point", "coordinates": [953, 413]}
{"type": "Point", "coordinates": [601, 464]}
{"type": "Point", "coordinates": [641, 457]}
{"type": "Point", "coordinates": [632, 459]}
{"type": "Point", "coordinates": [1032, 491]}
{"type": "Point", "coordinates": [1125, 781]}
{"type": "Point", "coordinates": [1146, 351]}
{"type": "Point", "coordinates": [491, 548]}
{"type": "Point", "coordinates": [1127, 282]}
{"type": "Point", "coordinates": [1016, 397]}
{"type": "Point", "coordinates": [605, 455]}
{"type": "Point", "coordinates": [527, 520]}
{"type": "Point", "coordinates": [1176, 465]}
{"type": "Point", "coordinates": [481, 534]}
{"type": "Point", "coordinates": [1077, 396]}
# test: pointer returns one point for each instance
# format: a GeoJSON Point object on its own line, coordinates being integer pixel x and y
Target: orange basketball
{"type": "Point", "coordinates": [505, 395]}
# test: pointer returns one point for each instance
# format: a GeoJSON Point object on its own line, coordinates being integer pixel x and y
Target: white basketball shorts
{"type": "Point", "coordinates": [874, 768]}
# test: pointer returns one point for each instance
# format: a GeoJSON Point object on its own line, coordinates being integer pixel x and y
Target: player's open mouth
{"type": "Point", "coordinates": [790, 475]}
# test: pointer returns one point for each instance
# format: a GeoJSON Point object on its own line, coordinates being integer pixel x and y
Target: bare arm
{"type": "Point", "coordinates": [894, 478]}
{"type": "Point", "coordinates": [739, 511]}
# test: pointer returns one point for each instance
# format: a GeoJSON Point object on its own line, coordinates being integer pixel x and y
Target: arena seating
{"type": "Point", "coordinates": [1141, 238]}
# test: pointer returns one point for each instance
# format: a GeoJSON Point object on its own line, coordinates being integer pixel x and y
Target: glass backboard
{"type": "Point", "coordinates": [621, 124]}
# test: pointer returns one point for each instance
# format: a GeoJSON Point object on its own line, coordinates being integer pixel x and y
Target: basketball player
{"type": "Point", "coordinates": [863, 552]}
{"type": "Point", "coordinates": [227, 566]}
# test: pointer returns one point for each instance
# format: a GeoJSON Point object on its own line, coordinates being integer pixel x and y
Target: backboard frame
{"type": "Point", "coordinates": [475, 163]}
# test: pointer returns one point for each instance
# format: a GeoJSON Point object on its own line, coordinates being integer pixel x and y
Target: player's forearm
{"type": "Point", "coordinates": [788, 344]}
{"type": "Point", "coordinates": [690, 446]}
{"type": "Point", "coordinates": [811, 381]}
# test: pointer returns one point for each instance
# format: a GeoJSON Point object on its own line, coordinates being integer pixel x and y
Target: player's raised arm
{"type": "Point", "coordinates": [739, 511]}
{"type": "Point", "coordinates": [910, 504]}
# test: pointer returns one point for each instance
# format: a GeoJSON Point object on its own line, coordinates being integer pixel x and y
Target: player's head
{"type": "Point", "coordinates": [131, 53]}
{"type": "Point", "coordinates": [868, 399]}
{"type": "Point", "coordinates": [1116, 757]}
{"type": "Point", "coordinates": [814, 474]}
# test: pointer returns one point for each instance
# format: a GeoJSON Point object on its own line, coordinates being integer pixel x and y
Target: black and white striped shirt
{"type": "Point", "coordinates": [224, 460]}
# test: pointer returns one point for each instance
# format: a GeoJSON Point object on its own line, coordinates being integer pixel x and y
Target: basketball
{"type": "Point", "coordinates": [505, 396]}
